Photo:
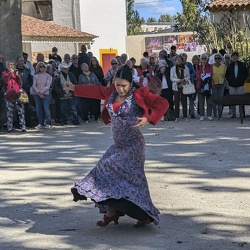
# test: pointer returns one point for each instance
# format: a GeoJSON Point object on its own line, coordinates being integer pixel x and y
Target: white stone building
{"type": "Point", "coordinates": [106, 19]}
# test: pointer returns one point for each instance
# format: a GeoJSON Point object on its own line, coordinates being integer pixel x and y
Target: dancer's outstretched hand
{"type": "Point", "coordinates": [143, 121]}
{"type": "Point", "coordinates": [69, 86]}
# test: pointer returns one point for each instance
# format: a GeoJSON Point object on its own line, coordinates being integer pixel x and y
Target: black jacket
{"type": "Point", "coordinates": [159, 74]}
{"type": "Point", "coordinates": [241, 77]}
{"type": "Point", "coordinates": [57, 89]}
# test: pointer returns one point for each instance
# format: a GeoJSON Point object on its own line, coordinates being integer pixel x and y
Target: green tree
{"type": "Point", "coordinates": [165, 18]}
{"type": "Point", "coordinates": [10, 28]}
{"type": "Point", "coordinates": [151, 20]}
{"type": "Point", "coordinates": [133, 19]}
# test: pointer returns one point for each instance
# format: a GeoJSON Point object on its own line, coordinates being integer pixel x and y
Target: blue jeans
{"type": "Point", "coordinates": [42, 105]}
{"type": "Point", "coordinates": [218, 91]}
{"type": "Point", "coordinates": [69, 105]}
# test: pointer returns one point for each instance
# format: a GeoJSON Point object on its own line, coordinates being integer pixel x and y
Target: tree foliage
{"type": "Point", "coordinates": [225, 33]}
{"type": "Point", "coordinates": [165, 18]}
{"type": "Point", "coordinates": [151, 20]}
{"type": "Point", "coordinates": [133, 19]}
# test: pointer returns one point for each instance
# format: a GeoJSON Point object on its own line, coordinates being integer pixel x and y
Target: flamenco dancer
{"type": "Point", "coordinates": [117, 184]}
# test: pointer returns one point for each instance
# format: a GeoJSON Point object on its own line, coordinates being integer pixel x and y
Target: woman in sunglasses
{"type": "Point", "coordinates": [41, 93]}
{"type": "Point", "coordinates": [219, 72]}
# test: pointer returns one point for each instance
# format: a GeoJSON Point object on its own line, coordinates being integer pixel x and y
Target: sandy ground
{"type": "Point", "coordinates": [198, 173]}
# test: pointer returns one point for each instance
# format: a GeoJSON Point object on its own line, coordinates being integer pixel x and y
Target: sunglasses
{"type": "Point", "coordinates": [42, 66]}
{"type": "Point", "coordinates": [227, 57]}
{"type": "Point", "coordinates": [203, 58]}
{"type": "Point", "coordinates": [217, 58]}
{"type": "Point", "coordinates": [74, 58]}
{"type": "Point", "coordinates": [113, 63]}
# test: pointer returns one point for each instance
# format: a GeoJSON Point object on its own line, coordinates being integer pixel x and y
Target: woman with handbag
{"type": "Point", "coordinates": [12, 85]}
{"type": "Point", "coordinates": [179, 75]}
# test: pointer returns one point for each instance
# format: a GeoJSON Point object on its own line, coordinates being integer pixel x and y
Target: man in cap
{"type": "Point", "coordinates": [67, 100]}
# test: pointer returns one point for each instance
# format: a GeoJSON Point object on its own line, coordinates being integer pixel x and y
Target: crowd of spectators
{"type": "Point", "coordinates": [49, 104]}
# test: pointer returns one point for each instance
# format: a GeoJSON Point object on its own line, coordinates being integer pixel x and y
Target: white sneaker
{"type": "Point", "coordinates": [47, 126]}
{"type": "Point", "coordinates": [185, 119]}
{"type": "Point", "coordinates": [39, 126]}
{"type": "Point", "coordinates": [162, 119]}
{"type": "Point", "coordinates": [176, 120]}
{"type": "Point", "coordinates": [86, 122]}
{"type": "Point", "coordinates": [202, 118]}
{"type": "Point", "coordinates": [210, 118]}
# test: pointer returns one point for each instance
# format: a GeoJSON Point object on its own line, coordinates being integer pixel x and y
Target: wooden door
{"type": "Point", "coordinates": [106, 58]}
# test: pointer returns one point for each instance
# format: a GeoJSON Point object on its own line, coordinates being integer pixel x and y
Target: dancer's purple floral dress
{"type": "Point", "coordinates": [119, 174]}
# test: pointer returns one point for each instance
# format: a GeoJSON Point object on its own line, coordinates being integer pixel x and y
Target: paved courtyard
{"type": "Point", "coordinates": [198, 173]}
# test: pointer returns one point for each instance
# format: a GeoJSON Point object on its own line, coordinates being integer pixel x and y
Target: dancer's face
{"type": "Point", "coordinates": [122, 86]}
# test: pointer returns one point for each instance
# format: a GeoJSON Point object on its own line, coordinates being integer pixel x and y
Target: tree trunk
{"type": "Point", "coordinates": [10, 29]}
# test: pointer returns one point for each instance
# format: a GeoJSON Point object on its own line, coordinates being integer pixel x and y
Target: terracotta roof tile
{"type": "Point", "coordinates": [35, 27]}
{"type": "Point", "coordinates": [228, 4]}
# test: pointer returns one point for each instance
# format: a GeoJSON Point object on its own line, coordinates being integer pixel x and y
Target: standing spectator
{"type": "Point", "coordinates": [66, 60]}
{"type": "Point", "coordinates": [179, 75]}
{"type": "Point", "coordinates": [124, 58]}
{"type": "Point", "coordinates": [144, 72]}
{"type": "Point", "coordinates": [41, 93]}
{"type": "Point", "coordinates": [55, 56]}
{"type": "Point", "coordinates": [97, 69]}
{"type": "Point", "coordinates": [66, 98]}
{"type": "Point", "coordinates": [236, 74]}
{"type": "Point", "coordinates": [83, 57]}
{"type": "Point", "coordinates": [27, 81]}
{"type": "Point", "coordinates": [136, 79]}
{"type": "Point", "coordinates": [163, 73]}
{"type": "Point", "coordinates": [132, 59]}
{"type": "Point", "coordinates": [172, 54]}
{"type": "Point", "coordinates": [219, 72]}
{"type": "Point", "coordinates": [145, 54]}
{"type": "Point", "coordinates": [204, 70]}
{"type": "Point", "coordinates": [211, 58]}
{"type": "Point", "coordinates": [118, 60]}
{"type": "Point", "coordinates": [12, 80]}
{"type": "Point", "coordinates": [2, 66]}
{"type": "Point", "coordinates": [2, 102]}
{"type": "Point", "coordinates": [152, 61]}
{"type": "Point", "coordinates": [227, 61]}
{"type": "Point", "coordinates": [192, 79]}
{"type": "Point", "coordinates": [195, 62]}
{"type": "Point", "coordinates": [111, 72]}
{"type": "Point", "coordinates": [75, 68]}
{"type": "Point", "coordinates": [28, 64]}
{"type": "Point", "coordinates": [39, 58]}
{"type": "Point", "coordinates": [89, 105]}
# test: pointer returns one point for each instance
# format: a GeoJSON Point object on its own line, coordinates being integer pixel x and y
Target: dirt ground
{"type": "Point", "coordinates": [198, 174]}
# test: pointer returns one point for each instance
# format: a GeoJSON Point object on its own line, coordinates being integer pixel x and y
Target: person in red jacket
{"type": "Point", "coordinates": [204, 73]}
{"type": "Point", "coordinates": [13, 81]}
{"type": "Point", "coordinates": [118, 184]}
